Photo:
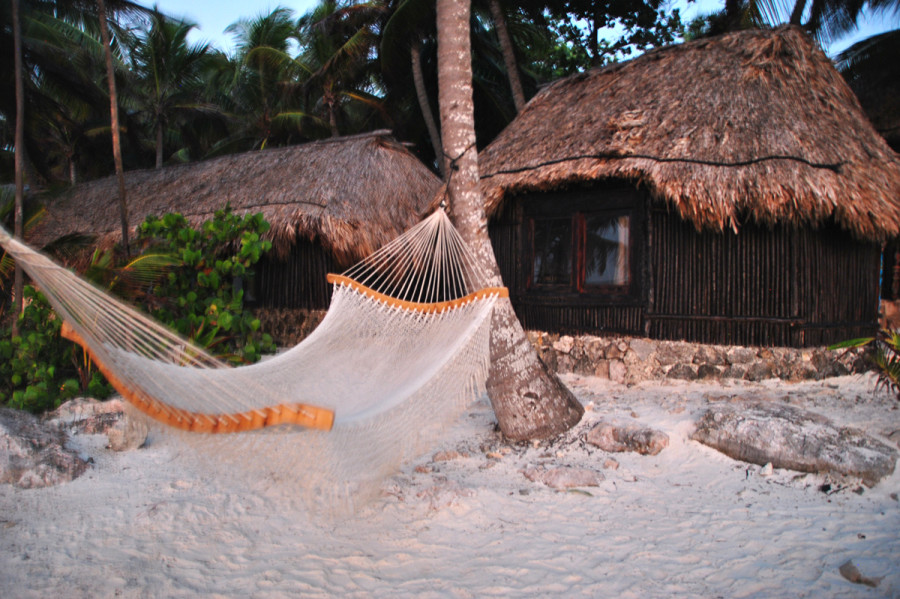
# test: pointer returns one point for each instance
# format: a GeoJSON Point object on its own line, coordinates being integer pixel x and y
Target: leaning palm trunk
{"type": "Point", "coordinates": [509, 56]}
{"type": "Point", "coordinates": [529, 401]}
{"type": "Point", "coordinates": [159, 143]}
{"type": "Point", "coordinates": [422, 96]}
{"type": "Point", "coordinates": [19, 280]}
{"type": "Point", "coordinates": [114, 119]}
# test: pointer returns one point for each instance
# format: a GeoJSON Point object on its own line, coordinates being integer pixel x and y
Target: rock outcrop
{"type": "Point", "coordinates": [617, 437]}
{"type": "Point", "coordinates": [795, 439]}
{"type": "Point", "coordinates": [33, 453]}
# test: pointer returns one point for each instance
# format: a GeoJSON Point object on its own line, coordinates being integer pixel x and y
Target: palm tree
{"type": "Point", "coordinates": [114, 118]}
{"type": "Point", "coordinates": [828, 20]}
{"type": "Point", "coordinates": [407, 30]}
{"type": "Point", "coordinates": [167, 75]}
{"type": "Point", "coordinates": [19, 284]}
{"type": "Point", "coordinates": [509, 56]}
{"type": "Point", "coordinates": [68, 102]}
{"type": "Point", "coordinates": [873, 72]}
{"type": "Point", "coordinates": [259, 80]}
{"type": "Point", "coordinates": [408, 59]}
{"type": "Point", "coordinates": [337, 44]}
{"type": "Point", "coordinates": [529, 402]}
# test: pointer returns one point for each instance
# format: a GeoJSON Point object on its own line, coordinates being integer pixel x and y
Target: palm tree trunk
{"type": "Point", "coordinates": [114, 118]}
{"type": "Point", "coordinates": [159, 144]}
{"type": "Point", "coordinates": [733, 15]}
{"type": "Point", "coordinates": [509, 56]}
{"type": "Point", "coordinates": [19, 208]}
{"type": "Point", "coordinates": [424, 106]}
{"type": "Point", "coordinates": [529, 402]}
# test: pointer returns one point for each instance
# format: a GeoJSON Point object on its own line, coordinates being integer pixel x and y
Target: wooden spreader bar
{"type": "Point", "coordinates": [298, 414]}
{"type": "Point", "coordinates": [426, 308]}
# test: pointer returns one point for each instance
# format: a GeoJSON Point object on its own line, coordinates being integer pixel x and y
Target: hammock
{"type": "Point", "coordinates": [401, 351]}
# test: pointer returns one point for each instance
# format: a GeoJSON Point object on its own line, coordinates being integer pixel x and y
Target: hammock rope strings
{"type": "Point", "coordinates": [112, 326]}
{"type": "Point", "coordinates": [421, 278]}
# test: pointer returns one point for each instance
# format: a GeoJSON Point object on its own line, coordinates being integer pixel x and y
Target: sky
{"type": "Point", "coordinates": [212, 17]}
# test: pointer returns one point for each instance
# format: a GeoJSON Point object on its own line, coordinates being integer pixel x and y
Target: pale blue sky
{"type": "Point", "coordinates": [214, 16]}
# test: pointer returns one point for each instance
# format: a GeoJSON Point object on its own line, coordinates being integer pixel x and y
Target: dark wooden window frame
{"type": "Point", "coordinates": [577, 205]}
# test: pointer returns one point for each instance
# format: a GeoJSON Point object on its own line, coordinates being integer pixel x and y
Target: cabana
{"type": "Point", "coordinates": [330, 203]}
{"type": "Point", "coordinates": [729, 190]}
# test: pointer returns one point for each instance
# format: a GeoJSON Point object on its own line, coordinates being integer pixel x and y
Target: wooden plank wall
{"type": "Point", "coordinates": [766, 287]}
{"type": "Point", "coordinates": [770, 287]}
{"type": "Point", "coordinates": [839, 288]}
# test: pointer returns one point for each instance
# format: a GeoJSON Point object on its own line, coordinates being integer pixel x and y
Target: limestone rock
{"type": "Point", "coordinates": [87, 416]}
{"type": "Point", "coordinates": [734, 371]}
{"type": "Point", "coordinates": [682, 371]}
{"type": "Point", "coordinates": [92, 417]}
{"type": "Point", "coordinates": [674, 352]}
{"type": "Point", "coordinates": [644, 348]}
{"type": "Point", "coordinates": [32, 453]}
{"type": "Point", "coordinates": [448, 456]}
{"type": "Point", "coordinates": [618, 437]}
{"type": "Point", "coordinates": [709, 371]}
{"type": "Point", "coordinates": [710, 355]}
{"type": "Point", "coordinates": [617, 371]}
{"type": "Point", "coordinates": [127, 434]}
{"type": "Point", "coordinates": [564, 345]}
{"type": "Point", "coordinates": [795, 439]}
{"type": "Point", "coordinates": [760, 371]}
{"type": "Point", "coordinates": [564, 477]}
{"type": "Point", "coordinates": [741, 355]}
{"type": "Point", "coordinates": [593, 348]}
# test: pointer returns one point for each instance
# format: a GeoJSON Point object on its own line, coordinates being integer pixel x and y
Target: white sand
{"type": "Point", "coordinates": [689, 522]}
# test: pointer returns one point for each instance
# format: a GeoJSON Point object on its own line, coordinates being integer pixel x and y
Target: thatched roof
{"type": "Point", "coordinates": [351, 194]}
{"type": "Point", "coordinates": [756, 124]}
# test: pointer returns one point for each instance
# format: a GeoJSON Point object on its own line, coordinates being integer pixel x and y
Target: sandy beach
{"type": "Point", "coordinates": [464, 521]}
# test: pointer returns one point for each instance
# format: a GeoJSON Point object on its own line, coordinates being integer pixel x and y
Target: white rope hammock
{"type": "Point", "coordinates": [402, 349]}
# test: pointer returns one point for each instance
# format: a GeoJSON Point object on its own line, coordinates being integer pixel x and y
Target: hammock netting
{"type": "Point", "coordinates": [401, 351]}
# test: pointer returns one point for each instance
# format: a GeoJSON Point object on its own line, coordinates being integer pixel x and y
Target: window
{"type": "Point", "coordinates": [552, 251]}
{"type": "Point", "coordinates": [606, 250]}
{"type": "Point", "coordinates": [585, 252]}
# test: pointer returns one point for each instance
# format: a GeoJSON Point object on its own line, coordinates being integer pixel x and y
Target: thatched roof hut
{"type": "Point", "coordinates": [728, 190]}
{"type": "Point", "coordinates": [350, 195]}
{"type": "Point", "coordinates": [755, 125]}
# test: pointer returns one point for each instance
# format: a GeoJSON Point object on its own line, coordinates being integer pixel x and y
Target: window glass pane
{"type": "Point", "coordinates": [606, 260]}
{"type": "Point", "coordinates": [552, 251]}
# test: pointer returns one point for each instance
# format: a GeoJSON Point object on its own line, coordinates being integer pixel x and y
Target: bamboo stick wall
{"type": "Point", "coordinates": [783, 286]}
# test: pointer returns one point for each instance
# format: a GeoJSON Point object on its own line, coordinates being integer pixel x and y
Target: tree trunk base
{"type": "Point", "coordinates": [530, 402]}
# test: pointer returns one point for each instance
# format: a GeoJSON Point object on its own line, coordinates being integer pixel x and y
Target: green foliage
{"type": "Point", "coordinates": [202, 298]}
{"type": "Point", "coordinates": [38, 368]}
{"type": "Point", "coordinates": [885, 356]}
{"type": "Point", "coordinates": [198, 294]}
{"type": "Point", "coordinates": [586, 34]}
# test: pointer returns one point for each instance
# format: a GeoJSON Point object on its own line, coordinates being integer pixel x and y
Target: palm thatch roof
{"type": "Point", "coordinates": [351, 194]}
{"type": "Point", "coordinates": [753, 125]}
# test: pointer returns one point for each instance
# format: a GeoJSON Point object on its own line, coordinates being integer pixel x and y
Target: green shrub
{"type": "Point", "coordinates": [197, 293]}
{"type": "Point", "coordinates": [38, 368]}
{"type": "Point", "coordinates": [884, 356]}
{"type": "Point", "coordinates": [202, 297]}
